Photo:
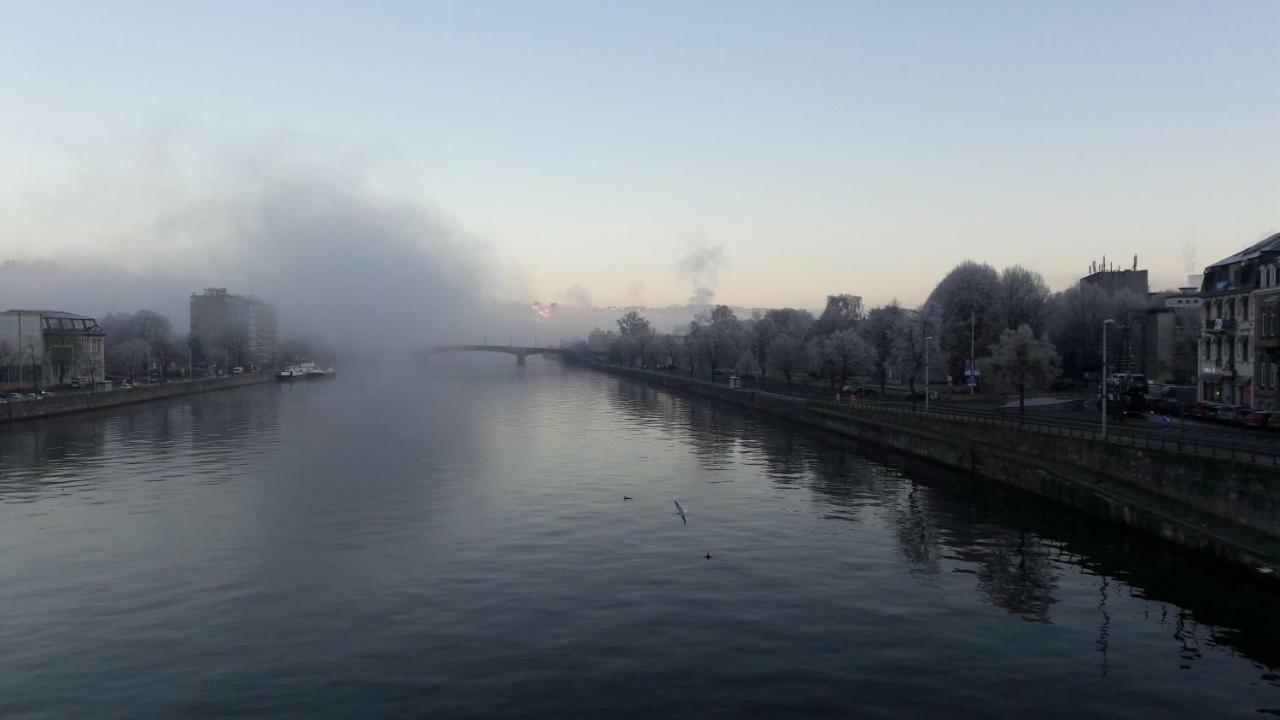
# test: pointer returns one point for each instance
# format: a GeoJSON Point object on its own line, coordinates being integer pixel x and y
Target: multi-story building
{"type": "Point", "coordinates": [1231, 294]}
{"type": "Point", "coordinates": [1267, 312]}
{"type": "Point", "coordinates": [233, 329]}
{"type": "Point", "coordinates": [1171, 334]}
{"type": "Point", "coordinates": [43, 348]}
{"type": "Point", "coordinates": [1113, 281]}
{"type": "Point", "coordinates": [599, 340]}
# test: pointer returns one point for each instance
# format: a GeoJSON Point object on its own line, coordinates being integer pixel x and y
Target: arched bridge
{"type": "Point", "coordinates": [520, 352]}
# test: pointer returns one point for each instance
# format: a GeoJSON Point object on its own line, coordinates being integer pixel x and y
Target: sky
{"type": "Point", "coordinates": [591, 151]}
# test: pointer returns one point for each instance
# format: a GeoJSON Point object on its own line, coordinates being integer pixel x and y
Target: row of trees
{"type": "Point", "coordinates": [140, 343]}
{"type": "Point", "coordinates": [134, 339]}
{"type": "Point", "coordinates": [842, 343]}
{"type": "Point", "coordinates": [1007, 319]}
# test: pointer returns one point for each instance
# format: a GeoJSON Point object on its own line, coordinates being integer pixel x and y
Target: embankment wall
{"type": "Point", "coordinates": [82, 401]}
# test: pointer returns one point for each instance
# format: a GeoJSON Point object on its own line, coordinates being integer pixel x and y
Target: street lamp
{"type": "Point", "coordinates": [926, 372]}
{"type": "Point", "coordinates": [1105, 323]}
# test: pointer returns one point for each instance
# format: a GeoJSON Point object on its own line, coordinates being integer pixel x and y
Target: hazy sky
{"type": "Point", "coordinates": [825, 147]}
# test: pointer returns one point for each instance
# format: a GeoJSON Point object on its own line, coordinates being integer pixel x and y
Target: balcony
{"type": "Point", "coordinates": [1220, 324]}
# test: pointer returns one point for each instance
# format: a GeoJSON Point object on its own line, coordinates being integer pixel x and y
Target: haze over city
{"type": "Point", "coordinates": [445, 156]}
{"type": "Point", "coordinates": [568, 359]}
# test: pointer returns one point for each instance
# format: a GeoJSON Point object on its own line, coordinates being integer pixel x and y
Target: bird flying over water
{"type": "Point", "coordinates": [680, 512]}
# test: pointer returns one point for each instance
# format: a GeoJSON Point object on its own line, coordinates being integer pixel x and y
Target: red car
{"type": "Point", "coordinates": [1258, 419]}
{"type": "Point", "coordinates": [1202, 409]}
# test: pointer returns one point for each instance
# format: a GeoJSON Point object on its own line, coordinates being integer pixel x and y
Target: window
{"type": "Point", "coordinates": [1244, 349]}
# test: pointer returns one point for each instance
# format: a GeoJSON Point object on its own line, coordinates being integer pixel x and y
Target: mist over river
{"type": "Point", "coordinates": [453, 542]}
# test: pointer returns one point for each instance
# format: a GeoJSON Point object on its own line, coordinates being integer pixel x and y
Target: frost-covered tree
{"type": "Point", "coordinates": [1021, 361]}
{"type": "Point", "coordinates": [965, 301]}
{"type": "Point", "coordinates": [841, 355]}
{"type": "Point", "coordinates": [880, 329]}
{"type": "Point", "coordinates": [786, 356]}
{"type": "Point", "coordinates": [1022, 299]}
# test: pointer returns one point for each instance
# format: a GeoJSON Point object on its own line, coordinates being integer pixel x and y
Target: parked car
{"type": "Point", "coordinates": [1273, 422]}
{"type": "Point", "coordinates": [1240, 415]}
{"type": "Point", "coordinates": [1201, 410]}
{"type": "Point", "coordinates": [237, 370]}
{"type": "Point", "coordinates": [1218, 412]}
{"type": "Point", "coordinates": [1258, 419]}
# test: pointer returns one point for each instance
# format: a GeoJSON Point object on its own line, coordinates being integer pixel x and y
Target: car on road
{"type": "Point", "coordinates": [1240, 415]}
{"type": "Point", "coordinates": [1130, 381]}
{"type": "Point", "coordinates": [1258, 419]}
{"type": "Point", "coordinates": [1219, 413]}
{"type": "Point", "coordinates": [1202, 410]}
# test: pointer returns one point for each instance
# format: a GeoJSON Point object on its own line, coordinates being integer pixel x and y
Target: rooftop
{"type": "Point", "coordinates": [48, 313]}
{"type": "Point", "coordinates": [1269, 245]}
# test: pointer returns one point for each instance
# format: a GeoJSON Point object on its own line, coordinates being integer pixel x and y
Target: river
{"type": "Point", "coordinates": [457, 544]}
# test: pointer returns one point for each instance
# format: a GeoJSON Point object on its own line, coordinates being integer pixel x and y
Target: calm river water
{"type": "Point", "coordinates": [456, 544]}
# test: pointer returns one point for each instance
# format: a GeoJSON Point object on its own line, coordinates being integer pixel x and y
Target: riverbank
{"type": "Point", "coordinates": [1222, 508]}
{"type": "Point", "coordinates": [80, 402]}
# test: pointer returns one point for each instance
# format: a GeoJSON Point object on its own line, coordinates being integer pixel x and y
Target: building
{"type": "Point", "coordinates": [1171, 335]}
{"type": "Point", "coordinates": [1267, 361]}
{"type": "Point", "coordinates": [233, 330]}
{"type": "Point", "coordinates": [1113, 281]}
{"type": "Point", "coordinates": [1234, 369]}
{"type": "Point", "coordinates": [599, 341]}
{"type": "Point", "coordinates": [44, 348]}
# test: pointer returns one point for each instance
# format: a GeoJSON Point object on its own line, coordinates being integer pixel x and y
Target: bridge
{"type": "Point", "coordinates": [519, 351]}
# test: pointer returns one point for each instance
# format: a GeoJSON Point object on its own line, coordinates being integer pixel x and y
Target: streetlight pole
{"type": "Point", "coordinates": [1105, 323]}
{"type": "Point", "coordinates": [973, 361]}
{"type": "Point", "coordinates": [926, 372]}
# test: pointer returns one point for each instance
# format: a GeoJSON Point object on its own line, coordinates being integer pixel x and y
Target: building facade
{"type": "Point", "coordinates": [233, 330]}
{"type": "Point", "coordinates": [1234, 353]}
{"type": "Point", "coordinates": [1113, 281]}
{"type": "Point", "coordinates": [46, 348]}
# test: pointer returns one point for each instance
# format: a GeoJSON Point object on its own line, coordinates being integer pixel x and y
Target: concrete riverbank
{"type": "Point", "coordinates": [82, 401]}
{"type": "Point", "coordinates": [1226, 509]}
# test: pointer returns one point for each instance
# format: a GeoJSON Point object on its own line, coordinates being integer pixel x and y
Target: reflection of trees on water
{"type": "Point", "coordinates": [914, 528]}
{"type": "Point", "coordinates": [1014, 545]}
{"type": "Point", "coordinates": [1017, 576]}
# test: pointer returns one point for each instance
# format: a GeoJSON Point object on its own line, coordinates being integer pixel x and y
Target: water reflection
{"type": "Point", "coordinates": [455, 544]}
{"type": "Point", "coordinates": [1019, 551]}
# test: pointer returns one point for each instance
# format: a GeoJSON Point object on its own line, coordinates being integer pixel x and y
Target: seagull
{"type": "Point", "coordinates": [680, 512]}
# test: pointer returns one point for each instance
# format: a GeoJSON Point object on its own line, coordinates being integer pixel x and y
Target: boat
{"type": "Point", "coordinates": [292, 372]}
{"type": "Point", "coordinates": [313, 371]}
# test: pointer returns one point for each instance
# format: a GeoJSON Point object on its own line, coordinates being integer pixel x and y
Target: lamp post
{"type": "Point", "coordinates": [926, 372]}
{"type": "Point", "coordinates": [35, 366]}
{"type": "Point", "coordinates": [973, 361]}
{"type": "Point", "coordinates": [1105, 323]}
